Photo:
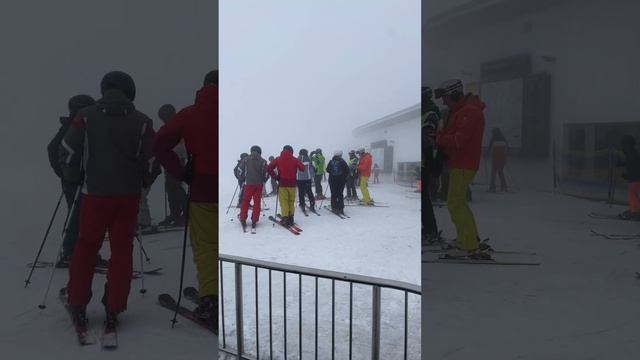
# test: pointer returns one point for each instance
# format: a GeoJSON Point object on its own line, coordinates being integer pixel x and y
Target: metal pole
{"type": "Point", "coordinates": [239, 326]}
{"type": "Point", "coordinates": [375, 331]}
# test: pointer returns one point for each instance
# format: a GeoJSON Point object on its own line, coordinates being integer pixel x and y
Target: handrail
{"type": "Point", "coordinates": [325, 274]}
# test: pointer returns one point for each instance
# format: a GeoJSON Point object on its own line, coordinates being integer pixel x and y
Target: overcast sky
{"type": "Point", "coordinates": [306, 73]}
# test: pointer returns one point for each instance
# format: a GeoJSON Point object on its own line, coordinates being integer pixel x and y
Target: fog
{"type": "Point", "coordinates": [306, 73]}
{"type": "Point", "coordinates": [54, 50]}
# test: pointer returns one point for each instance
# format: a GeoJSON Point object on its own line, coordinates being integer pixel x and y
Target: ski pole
{"type": "Point", "coordinates": [64, 227]}
{"type": "Point", "coordinates": [146, 257]}
{"type": "Point", "coordinates": [143, 290]}
{"type": "Point", "coordinates": [166, 199]}
{"type": "Point", "coordinates": [184, 249]}
{"type": "Point", "coordinates": [46, 234]}
{"type": "Point", "coordinates": [233, 197]}
{"type": "Point", "coordinates": [275, 214]}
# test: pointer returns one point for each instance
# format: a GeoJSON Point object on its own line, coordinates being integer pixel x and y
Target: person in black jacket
{"type": "Point", "coordinates": [338, 171]}
{"type": "Point", "coordinates": [432, 163]}
{"type": "Point", "coordinates": [632, 175]}
{"type": "Point", "coordinates": [238, 172]}
{"type": "Point", "coordinates": [75, 104]}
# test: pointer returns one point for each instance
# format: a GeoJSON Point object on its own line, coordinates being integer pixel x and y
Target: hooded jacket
{"type": "Point", "coordinates": [111, 142]}
{"type": "Point", "coordinates": [287, 166]}
{"type": "Point", "coordinates": [198, 126]}
{"type": "Point", "coordinates": [364, 166]}
{"type": "Point", "coordinates": [255, 169]}
{"type": "Point", "coordinates": [462, 137]}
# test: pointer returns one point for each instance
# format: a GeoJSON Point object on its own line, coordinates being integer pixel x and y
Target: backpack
{"type": "Point", "coordinates": [334, 168]}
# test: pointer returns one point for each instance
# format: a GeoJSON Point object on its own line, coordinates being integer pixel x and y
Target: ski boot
{"type": "Point", "coordinates": [312, 207]}
{"type": "Point", "coordinates": [111, 321]}
{"type": "Point", "coordinates": [244, 224]}
{"type": "Point", "coordinates": [253, 225]}
{"type": "Point", "coordinates": [291, 223]}
{"type": "Point", "coordinates": [101, 262]}
{"type": "Point", "coordinates": [79, 317]}
{"type": "Point", "coordinates": [284, 221]}
{"type": "Point", "coordinates": [63, 262]}
{"type": "Point", "coordinates": [207, 311]}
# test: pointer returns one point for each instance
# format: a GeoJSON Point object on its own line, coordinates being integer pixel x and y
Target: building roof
{"type": "Point", "coordinates": [412, 112]}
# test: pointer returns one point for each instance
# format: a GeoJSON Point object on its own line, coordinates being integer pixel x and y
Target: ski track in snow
{"type": "Point", "coordinates": [581, 303]}
{"type": "Point", "coordinates": [379, 242]}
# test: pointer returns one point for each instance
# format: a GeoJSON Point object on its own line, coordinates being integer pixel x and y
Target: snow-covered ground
{"type": "Point", "coordinates": [145, 331]}
{"type": "Point", "coordinates": [378, 242]}
{"type": "Point", "coordinates": [581, 303]}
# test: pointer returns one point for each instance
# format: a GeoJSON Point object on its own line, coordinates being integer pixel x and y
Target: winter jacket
{"type": "Point", "coordinates": [353, 166]}
{"type": "Point", "coordinates": [337, 169]}
{"type": "Point", "coordinates": [239, 171]}
{"type": "Point", "coordinates": [308, 172]}
{"type": "Point", "coordinates": [462, 137]}
{"type": "Point", "coordinates": [198, 126]}
{"type": "Point", "coordinates": [364, 166]}
{"type": "Point", "coordinates": [111, 141]}
{"type": "Point", "coordinates": [287, 167]}
{"type": "Point", "coordinates": [54, 145]}
{"type": "Point", "coordinates": [255, 169]}
{"type": "Point", "coordinates": [432, 154]}
{"type": "Point", "coordinates": [318, 163]}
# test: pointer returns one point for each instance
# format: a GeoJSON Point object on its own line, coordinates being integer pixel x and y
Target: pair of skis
{"type": "Point", "coordinates": [85, 336]}
{"type": "Point", "coordinates": [340, 215]}
{"type": "Point", "coordinates": [445, 259]}
{"type": "Point", "coordinates": [190, 293]}
{"type": "Point", "coordinates": [294, 229]}
{"type": "Point", "coordinates": [616, 236]}
{"type": "Point", "coordinates": [595, 215]}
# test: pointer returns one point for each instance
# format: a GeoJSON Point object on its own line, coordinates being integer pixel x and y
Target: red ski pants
{"type": "Point", "coordinates": [98, 214]}
{"type": "Point", "coordinates": [251, 192]}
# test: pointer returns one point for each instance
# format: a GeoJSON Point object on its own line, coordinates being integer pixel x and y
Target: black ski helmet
{"type": "Point", "coordinates": [79, 102]}
{"type": "Point", "coordinates": [451, 88]}
{"type": "Point", "coordinates": [319, 151]}
{"type": "Point", "coordinates": [243, 155]}
{"type": "Point", "coordinates": [257, 149]}
{"type": "Point", "coordinates": [304, 152]}
{"type": "Point", "coordinates": [211, 78]}
{"type": "Point", "coordinates": [288, 148]}
{"type": "Point", "coordinates": [120, 81]}
{"type": "Point", "coordinates": [166, 112]}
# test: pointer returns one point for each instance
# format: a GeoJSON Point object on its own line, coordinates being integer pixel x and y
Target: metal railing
{"type": "Point", "coordinates": [376, 284]}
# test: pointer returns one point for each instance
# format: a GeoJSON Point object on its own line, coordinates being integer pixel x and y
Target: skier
{"type": "Point", "coordinates": [286, 164]}
{"type": "Point", "coordinates": [274, 183]}
{"type": "Point", "coordinates": [632, 175]}
{"type": "Point", "coordinates": [108, 144]}
{"type": "Point", "coordinates": [376, 174]}
{"type": "Point", "coordinates": [498, 148]}
{"type": "Point", "coordinates": [197, 125]}
{"type": "Point", "coordinates": [70, 189]}
{"type": "Point", "coordinates": [338, 171]}
{"type": "Point", "coordinates": [462, 142]}
{"type": "Point", "coordinates": [317, 159]}
{"type": "Point", "coordinates": [364, 169]}
{"type": "Point", "coordinates": [431, 164]}
{"type": "Point", "coordinates": [304, 181]}
{"type": "Point", "coordinates": [351, 176]}
{"type": "Point", "coordinates": [176, 196]}
{"type": "Point", "coordinates": [255, 170]}
{"type": "Point", "coordinates": [240, 176]}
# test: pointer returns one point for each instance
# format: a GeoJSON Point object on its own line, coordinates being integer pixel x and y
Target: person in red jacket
{"type": "Point", "coordinates": [287, 166]}
{"type": "Point", "coordinates": [364, 169]}
{"type": "Point", "coordinates": [462, 143]}
{"type": "Point", "coordinates": [197, 125]}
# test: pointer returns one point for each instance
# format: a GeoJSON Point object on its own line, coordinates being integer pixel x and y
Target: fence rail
{"type": "Point", "coordinates": [376, 284]}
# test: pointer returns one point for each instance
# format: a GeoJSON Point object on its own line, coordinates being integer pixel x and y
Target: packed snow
{"type": "Point", "coordinates": [380, 242]}
{"type": "Point", "coordinates": [580, 303]}
{"type": "Point", "coordinates": [145, 328]}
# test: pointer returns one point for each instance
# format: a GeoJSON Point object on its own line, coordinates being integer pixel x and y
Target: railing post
{"type": "Point", "coordinates": [375, 331]}
{"type": "Point", "coordinates": [239, 326]}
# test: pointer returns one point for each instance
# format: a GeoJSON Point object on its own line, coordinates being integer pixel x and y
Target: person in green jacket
{"type": "Point", "coordinates": [317, 160]}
